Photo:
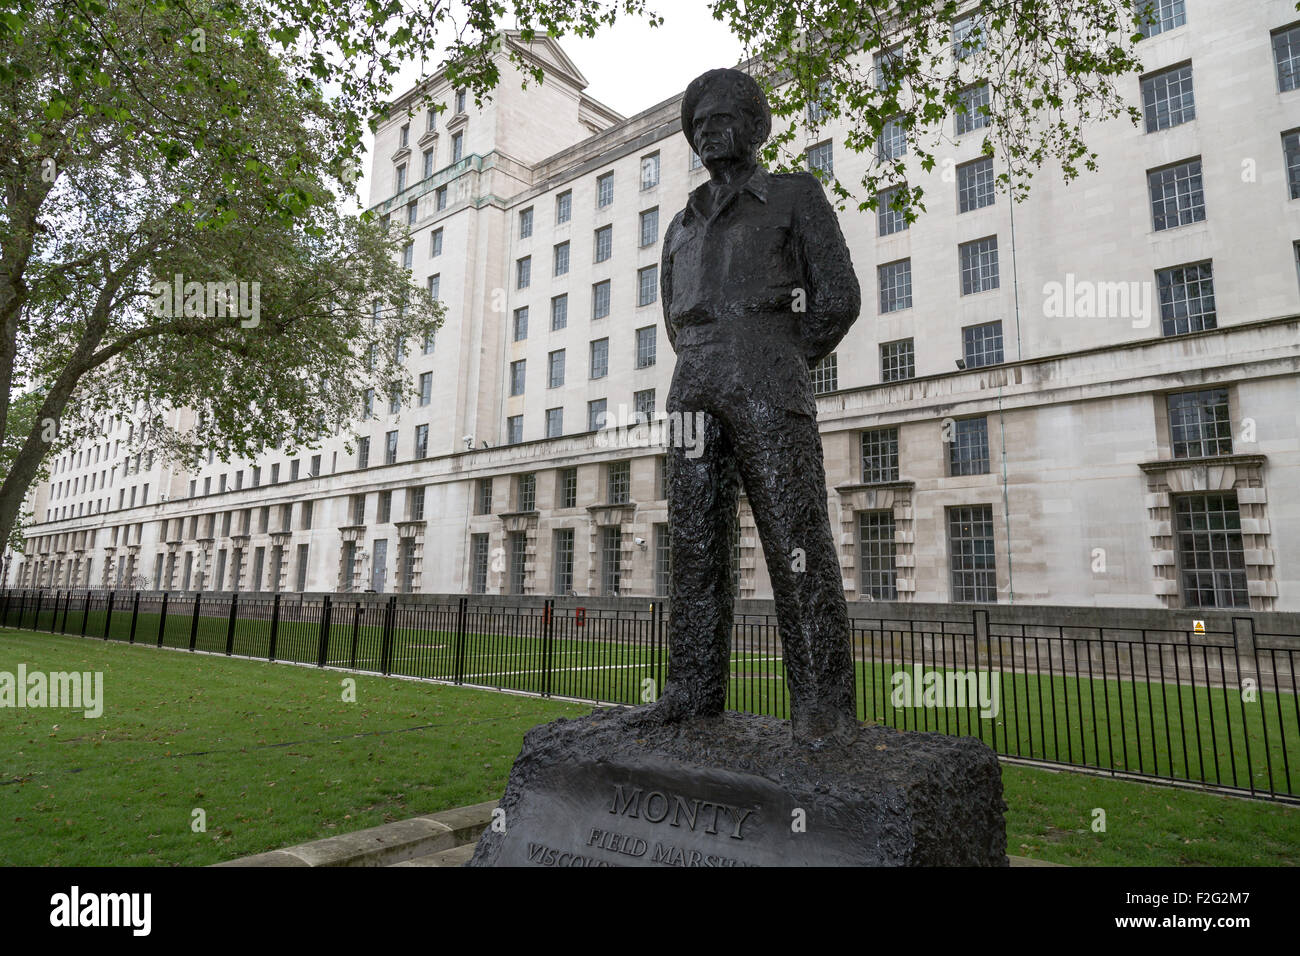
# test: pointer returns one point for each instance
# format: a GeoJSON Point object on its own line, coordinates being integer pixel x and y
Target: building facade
{"type": "Point", "coordinates": [1088, 398]}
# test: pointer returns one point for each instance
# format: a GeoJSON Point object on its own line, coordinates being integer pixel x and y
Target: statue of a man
{"type": "Point", "coordinates": [757, 288]}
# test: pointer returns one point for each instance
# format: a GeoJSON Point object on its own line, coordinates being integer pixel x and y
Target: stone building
{"type": "Point", "coordinates": [1089, 398]}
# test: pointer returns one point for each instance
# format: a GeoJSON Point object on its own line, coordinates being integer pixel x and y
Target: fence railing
{"type": "Point", "coordinates": [1217, 709]}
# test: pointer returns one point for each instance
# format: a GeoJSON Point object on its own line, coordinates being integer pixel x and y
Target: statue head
{"type": "Point", "coordinates": [725, 117]}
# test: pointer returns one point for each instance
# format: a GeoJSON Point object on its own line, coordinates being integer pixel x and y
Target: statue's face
{"type": "Point", "coordinates": [720, 130]}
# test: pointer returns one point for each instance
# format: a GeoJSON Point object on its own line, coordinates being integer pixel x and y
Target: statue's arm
{"type": "Point", "coordinates": [666, 279]}
{"type": "Point", "coordinates": [834, 298]}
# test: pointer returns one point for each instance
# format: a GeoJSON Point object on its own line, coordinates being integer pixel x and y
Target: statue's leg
{"type": "Point", "coordinates": [780, 459]}
{"type": "Point", "coordinates": [703, 488]}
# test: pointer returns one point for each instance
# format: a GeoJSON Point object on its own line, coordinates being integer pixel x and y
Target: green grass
{"type": "Point", "coordinates": [1201, 733]}
{"type": "Point", "coordinates": [275, 757]}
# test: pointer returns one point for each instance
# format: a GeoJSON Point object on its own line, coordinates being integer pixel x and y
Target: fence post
{"type": "Point", "coordinates": [1243, 642]}
{"type": "Point", "coordinates": [275, 628]}
{"type": "Point", "coordinates": [980, 630]}
{"type": "Point", "coordinates": [162, 621]}
{"type": "Point", "coordinates": [194, 622]}
{"type": "Point", "coordinates": [460, 640]}
{"type": "Point", "coordinates": [85, 614]}
{"type": "Point", "coordinates": [356, 627]}
{"type": "Point", "coordinates": [548, 655]}
{"type": "Point", "coordinates": [108, 614]}
{"type": "Point", "coordinates": [659, 657]}
{"type": "Point", "coordinates": [36, 619]}
{"type": "Point", "coordinates": [386, 648]}
{"type": "Point", "coordinates": [230, 628]}
{"type": "Point", "coordinates": [4, 610]}
{"type": "Point", "coordinates": [135, 616]}
{"type": "Point", "coordinates": [322, 653]}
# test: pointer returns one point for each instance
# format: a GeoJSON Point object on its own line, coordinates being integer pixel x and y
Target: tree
{"type": "Point", "coordinates": [171, 240]}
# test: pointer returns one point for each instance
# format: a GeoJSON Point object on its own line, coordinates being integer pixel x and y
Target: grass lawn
{"type": "Point", "coordinates": [1161, 728]}
{"type": "Point", "coordinates": [275, 756]}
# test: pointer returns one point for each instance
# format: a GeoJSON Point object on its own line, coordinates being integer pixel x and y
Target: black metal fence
{"type": "Point", "coordinates": [1218, 708]}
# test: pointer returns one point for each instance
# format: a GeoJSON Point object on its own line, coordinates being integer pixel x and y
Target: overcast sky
{"type": "Point", "coordinates": [632, 66]}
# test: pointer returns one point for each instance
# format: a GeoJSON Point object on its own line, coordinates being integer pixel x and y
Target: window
{"type": "Point", "coordinates": [1167, 98]}
{"type": "Point", "coordinates": [968, 449]}
{"type": "Point", "coordinates": [604, 190]}
{"type": "Point", "coordinates": [523, 272]}
{"type": "Point", "coordinates": [979, 265]}
{"type": "Point", "coordinates": [415, 504]}
{"type": "Point", "coordinates": [1291, 153]}
{"type": "Point", "coordinates": [518, 370]}
{"type": "Point", "coordinates": [886, 64]}
{"type": "Point", "coordinates": [982, 344]}
{"type": "Point", "coordinates": [1186, 298]}
{"type": "Point", "coordinates": [897, 361]}
{"type": "Point", "coordinates": [895, 285]}
{"type": "Point", "coordinates": [514, 429]}
{"type": "Point", "coordinates": [663, 559]}
{"type": "Point", "coordinates": [457, 147]}
{"type": "Point", "coordinates": [554, 422]}
{"type": "Point", "coordinates": [390, 448]}
{"type": "Point", "coordinates": [431, 120]}
{"type": "Point", "coordinates": [649, 227]}
{"type": "Point", "coordinates": [968, 35]}
{"type": "Point", "coordinates": [1211, 556]}
{"type": "Point", "coordinates": [421, 441]}
{"type": "Point", "coordinates": [435, 288]}
{"type": "Point", "coordinates": [1177, 195]}
{"type": "Point", "coordinates": [973, 562]}
{"type": "Point", "coordinates": [478, 563]}
{"type": "Point", "coordinates": [564, 207]}
{"type": "Point", "coordinates": [363, 452]}
{"type": "Point", "coordinates": [975, 185]}
{"type": "Point", "coordinates": [460, 101]}
{"type": "Point", "coordinates": [650, 171]}
{"type": "Point", "coordinates": [559, 312]}
{"type": "Point", "coordinates": [1199, 425]}
{"type": "Point", "coordinates": [1157, 16]}
{"type": "Point", "coordinates": [401, 177]}
{"type": "Point", "coordinates": [408, 255]}
{"type": "Point", "coordinates": [599, 358]}
{"type": "Point", "coordinates": [611, 559]}
{"type": "Point", "coordinates": [561, 258]}
{"type": "Point", "coordinates": [1286, 54]}
{"type": "Point", "coordinates": [412, 210]}
{"type": "Point", "coordinates": [893, 141]}
{"type": "Point", "coordinates": [643, 404]}
{"type": "Point", "coordinates": [645, 346]}
{"type": "Point", "coordinates": [820, 158]}
{"type": "Point", "coordinates": [257, 476]}
{"type": "Point", "coordinates": [428, 163]}
{"type": "Point", "coordinates": [877, 575]}
{"type": "Point", "coordinates": [880, 455]}
{"type": "Point", "coordinates": [526, 497]}
{"type": "Point", "coordinates": [647, 285]}
{"type": "Point", "coordinates": [563, 560]}
{"type": "Point", "coordinates": [696, 162]}
{"type": "Point", "coordinates": [358, 509]}
{"type": "Point", "coordinates": [385, 514]}
{"type": "Point", "coordinates": [604, 243]}
{"type": "Point", "coordinates": [426, 388]}
{"type": "Point", "coordinates": [555, 369]}
{"type": "Point", "coordinates": [825, 375]}
{"type": "Point", "coordinates": [819, 102]}
{"type": "Point", "coordinates": [483, 496]}
{"type": "Point", "coordinates": [404, 136]}
{"type": "Point", "coordinates": [440, 198]}
{"type": "Point", "coordinates": [972, 108]}
{"type": "Point", "coordinates": [888, 219]}
{"type": "Point", "coordinates": [435, 243]}
{"type": "Point", "coordinates": [600, 300]}
{"type": "Point", "coordinates": [394, 401]}
{"type": "Point", "coordinates": [567, 488]}
{"type": "Point", "coordinates": [307, 508]}
{"type": "Point", "coordinates": [619, 483]}
{"type": "Point", "coordinates": [596, 414]}
{"type": "Point", "coordinates": [526, 223]}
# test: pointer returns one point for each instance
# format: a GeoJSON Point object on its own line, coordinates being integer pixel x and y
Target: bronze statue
{"type": "Point", "coordinates": [757, 288]}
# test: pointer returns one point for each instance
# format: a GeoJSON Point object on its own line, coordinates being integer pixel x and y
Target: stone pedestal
{"type": "Point", "coordinates": [736, 791]}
